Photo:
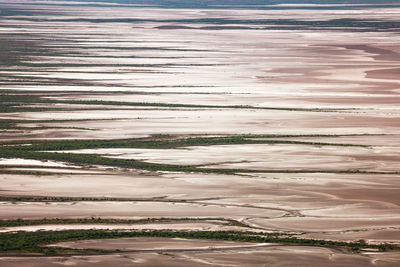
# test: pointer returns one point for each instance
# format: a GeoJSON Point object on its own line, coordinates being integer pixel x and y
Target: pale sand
{"type": "Point", "coordinates": [28, 162]}
{"type": "Point", "coordinates": [375, 236]}
{"type": "Point", "coordinates": [185, 225]}
{"type": "Point", "coordinates": [32, 210]}
{"type": "Point", "coordinates": [271, 256]}
{"type": "Point", "coordinates": [323, 224]}
{"type": "Point", "coordinates": [154, 243]}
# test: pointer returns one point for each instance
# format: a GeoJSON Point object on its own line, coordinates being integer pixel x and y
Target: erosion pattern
{"type": "Point", "coordinates": [183, 134]}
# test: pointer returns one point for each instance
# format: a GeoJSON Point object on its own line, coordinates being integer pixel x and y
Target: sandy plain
{"type": "Point", "coordinates": [274, 256]}
{"type": "Point", "coordinates": [170, 58]}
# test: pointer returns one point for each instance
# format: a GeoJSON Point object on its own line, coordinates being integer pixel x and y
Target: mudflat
{"type": "Point", "coordinates": [244, 127]}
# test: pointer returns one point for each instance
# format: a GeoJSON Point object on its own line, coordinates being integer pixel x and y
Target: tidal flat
{"type": "Point", "coordinates": [172, 134]}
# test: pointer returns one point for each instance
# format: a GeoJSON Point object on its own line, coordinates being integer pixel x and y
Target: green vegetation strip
{"type": "Point", "coordinates": [34, 242]}
{"type": "Point", "coordinates": [19, 108]}
{"type": "Point", "coordinates": [15, 124]}
{"type": "Point", "coordinates": [28, 172]}
{"type": "Point", "coordinates": [97, 220]}
{"type": "Point", "coordinates": [144, 104]}
{"type": "Point", "coordinates": [14, 102]}
{"type": "Point", "coordinates": [89, 159]}
{"type": "Point", "coordinates": [165, 142]}
{"type": "Point", "coordinates": [72, 199]}
{"type": "Point", "coordinates": [38, 170]}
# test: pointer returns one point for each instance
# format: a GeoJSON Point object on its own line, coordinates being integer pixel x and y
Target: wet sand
{"type": "Point", "coordinates": [152, 244]}
{"type": "Point", "coordinates": [125, 210]}
{"type": "Point", "coordinates": [274, 255]}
